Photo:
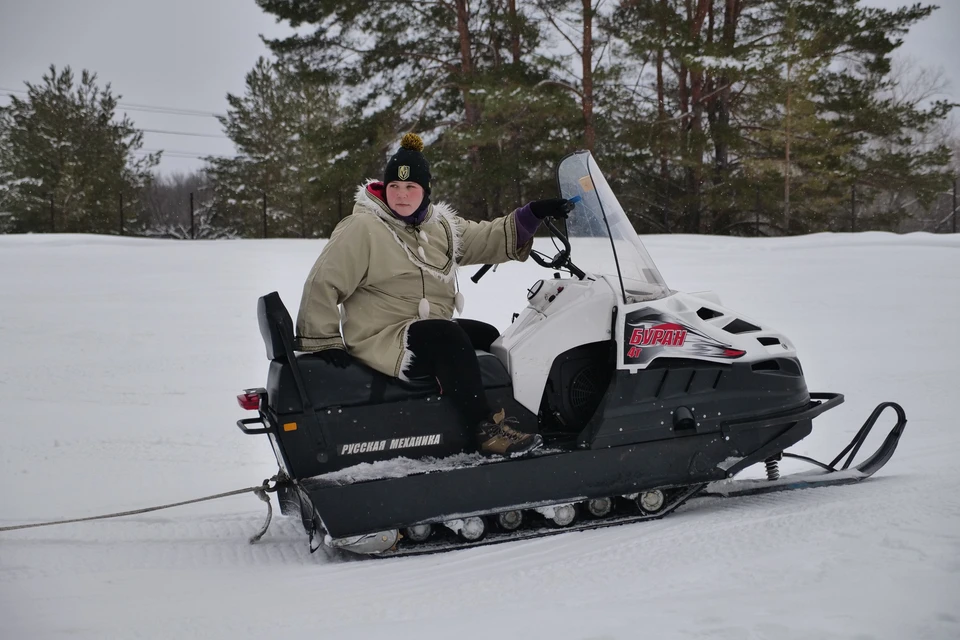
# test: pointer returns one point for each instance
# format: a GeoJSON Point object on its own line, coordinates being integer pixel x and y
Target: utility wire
{"type": "Point", "coordinates": [169, 153]}
{"type": "Point", "coordinates": [177, 111]}
{"type": "Point", "coordinates": [185, 133]}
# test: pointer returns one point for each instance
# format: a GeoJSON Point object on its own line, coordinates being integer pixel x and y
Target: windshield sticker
{"type": "Point", "coordinates": [648, 333]}
{"type": "Point", "coordinates": [586, 183]}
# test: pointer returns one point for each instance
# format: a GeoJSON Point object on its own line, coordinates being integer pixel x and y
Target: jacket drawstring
{"type": "Point", "coordinates": [458, 297]}
{"type": "Point", "coordinates": [423, 309]}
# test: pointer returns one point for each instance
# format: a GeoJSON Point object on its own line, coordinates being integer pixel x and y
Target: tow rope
{"type": "Point", "coordinates": [260, 491]}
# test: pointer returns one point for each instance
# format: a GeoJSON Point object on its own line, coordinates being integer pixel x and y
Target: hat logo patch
{"type": "Point", "coordinates": [403, 172]}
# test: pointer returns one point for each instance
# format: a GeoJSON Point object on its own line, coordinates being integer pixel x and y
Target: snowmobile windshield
{"type": "Point", "coordinates": [602, 240]}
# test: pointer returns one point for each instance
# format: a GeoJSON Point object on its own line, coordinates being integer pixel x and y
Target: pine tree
{"type": "Point", "coordinates": [65, 162]}
{"type": "Point", "coordinates": [780, 105]}
{"type": "Point", "coordinates": [285, 127]}
{"type": "Point", "coordinates": [465, 75]}
{"type": "Point", "coordinates": [708, 116]}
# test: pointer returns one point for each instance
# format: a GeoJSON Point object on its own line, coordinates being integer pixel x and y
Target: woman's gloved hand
{"type": "Point", "coordinates": [551, 208]}
{"type": "Point", "coordinates": [337, 357]}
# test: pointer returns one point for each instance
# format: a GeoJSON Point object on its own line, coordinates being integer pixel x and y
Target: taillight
{"type": "Point", "coordinates": [250, 399]}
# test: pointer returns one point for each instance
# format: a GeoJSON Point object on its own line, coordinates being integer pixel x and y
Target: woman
{"type": "Point", "coordinates": [391, 266]}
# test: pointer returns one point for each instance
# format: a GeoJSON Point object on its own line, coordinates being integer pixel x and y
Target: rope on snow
{"type": "Point", "coordinates": [260, 491]}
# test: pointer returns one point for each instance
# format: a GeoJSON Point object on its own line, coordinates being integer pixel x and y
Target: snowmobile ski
{"type": "Point", "coordinates": [828, 474]}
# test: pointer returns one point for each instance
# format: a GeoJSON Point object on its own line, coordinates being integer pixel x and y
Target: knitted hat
{"type": "Point", "coordinates": [408, 164]}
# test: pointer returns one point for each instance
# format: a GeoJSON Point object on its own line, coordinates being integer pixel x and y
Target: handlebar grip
{"type": "Point", "coordinates": [482, 272]}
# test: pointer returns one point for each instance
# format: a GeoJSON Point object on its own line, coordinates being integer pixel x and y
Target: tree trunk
{"type": "Point", "coordinates": [466, 62]}
{"type": "Point", "coordinates": [471, 109]}
{"type": "Point", "coordinates": [720, 113]}
{"type": "Point", "coordinates": [695, 139]}
{"type": "Point", "coordinates": [514, 32]}
{"type": "Point", "coordinates": [662, 118]}
{"type": "Point", "coordinates": [786, 169]}
{"type": "Point", "coordinates": [588, 132]}
{"type": "Point", "coordinates": [731, 17]}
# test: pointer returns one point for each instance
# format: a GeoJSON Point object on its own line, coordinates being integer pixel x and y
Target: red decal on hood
{"type": "Point", "coordinates": [665, 335]}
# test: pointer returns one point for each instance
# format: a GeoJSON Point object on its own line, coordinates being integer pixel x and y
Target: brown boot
{"type": "Point", "coordinates": [497, 437]}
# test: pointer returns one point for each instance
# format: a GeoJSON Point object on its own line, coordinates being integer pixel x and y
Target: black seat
{"type": "Point", "coordinates": [294, 376]}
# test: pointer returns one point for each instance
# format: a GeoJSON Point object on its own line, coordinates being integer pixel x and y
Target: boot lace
{"type": "Point", "coordinates": [510, 432]}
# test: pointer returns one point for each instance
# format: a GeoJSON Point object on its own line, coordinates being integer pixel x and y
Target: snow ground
{"type": "Point", "coordinates": [120, 360]}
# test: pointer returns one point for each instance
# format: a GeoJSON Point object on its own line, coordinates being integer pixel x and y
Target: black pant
{"type": "Point", "coordinates": [445, 350]}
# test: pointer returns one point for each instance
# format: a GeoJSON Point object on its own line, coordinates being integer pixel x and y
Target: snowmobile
{"type": "Point", "coordinates": [645, 397]}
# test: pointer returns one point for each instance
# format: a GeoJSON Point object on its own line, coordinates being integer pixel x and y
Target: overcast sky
{"type": "Point", "coordinates": [188, 54]}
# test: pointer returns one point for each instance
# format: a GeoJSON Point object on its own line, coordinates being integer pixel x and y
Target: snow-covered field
{"type": "Point", "coordinates": [120, 360]}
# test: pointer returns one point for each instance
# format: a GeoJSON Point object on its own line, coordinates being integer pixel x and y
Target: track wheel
{"type": "Point", "coordinates": [651, 502]}
{"type": "Point", "coordinates": [473, 529]}
{"type": "Point", "coordinates": [510, 520]}
{"type": "Point", "coordinates": [562, 515]}
{"type": "Point", "coordinates": [600, 507]}
{"type": "Point", "coordinates": [419, 533]}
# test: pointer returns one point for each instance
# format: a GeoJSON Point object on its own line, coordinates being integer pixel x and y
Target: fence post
{"type": "Point", "coordinates": [303, 220]}
{"type": "Point", "coordinates": [264, 214]}
{"type": "Point", "coordinates": [121, 213]}
{"type": "Point", "coordinates": [53, 221]}
{"type": "Point", "coordinates": [757, 212]}
{"type": "Point", "coordinates": [955, 205]}
{"type": "Point", "coordinates": [193, 232]}
{"type": "Point", "coordinates": [853, 208]}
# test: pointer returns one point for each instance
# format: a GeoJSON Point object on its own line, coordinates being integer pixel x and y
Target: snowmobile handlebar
{"type": "Point", "coordinates": [482, 272]}
{"type": "Point", "coordinates": [560, 260]}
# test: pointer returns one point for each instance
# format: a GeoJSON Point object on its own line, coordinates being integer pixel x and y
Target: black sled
{"type": "Point", "coordinates": [645, 398]}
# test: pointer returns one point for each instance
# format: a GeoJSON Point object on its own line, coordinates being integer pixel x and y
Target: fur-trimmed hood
{"type": "Point", "coordinates": [439, 213]}
{"type": "Point", "coordinates": [367, 199]}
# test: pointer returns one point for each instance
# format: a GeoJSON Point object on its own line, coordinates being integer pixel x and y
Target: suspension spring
{"type": "Point", "coordinates": [773, 468]}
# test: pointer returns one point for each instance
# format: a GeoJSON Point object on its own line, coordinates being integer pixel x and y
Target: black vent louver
{"type": "Point", "coordinates": [707, 314]}
{"type": "Point", "coordinates": [740, 326]}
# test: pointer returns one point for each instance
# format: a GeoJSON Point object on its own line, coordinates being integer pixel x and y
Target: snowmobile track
{"type": "Point", "coordinates": [540, 532]}
{"type": "Point", "coordinates": [829, 477]}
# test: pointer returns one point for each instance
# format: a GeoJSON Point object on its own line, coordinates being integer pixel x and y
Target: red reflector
{"type": "Point", "coordinates": [249, 401]}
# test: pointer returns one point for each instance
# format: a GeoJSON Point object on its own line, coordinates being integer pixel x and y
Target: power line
{"type": "Point", "coordinates": [167, 153]}
{"type": "Point", "coordinates": [180, 133]}
{"type": "Point", "coordinates": [176, 111]}
{"type": "Point", "coordinates": [170, 153]}
{"type": "Point", "coordinates": [185, 133]}
{"type": "Point", "coordinates": [170, 110]}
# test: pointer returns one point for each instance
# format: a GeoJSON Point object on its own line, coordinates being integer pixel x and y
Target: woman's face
{"type": "Point", "coordinates": [404, 197]}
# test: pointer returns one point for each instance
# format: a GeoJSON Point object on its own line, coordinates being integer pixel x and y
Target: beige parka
{"type": "Point", "coordinates": [379, 269]}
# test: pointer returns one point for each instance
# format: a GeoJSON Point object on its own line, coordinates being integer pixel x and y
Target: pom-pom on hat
{"type": "Point", "coordinates": [408, 164]}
